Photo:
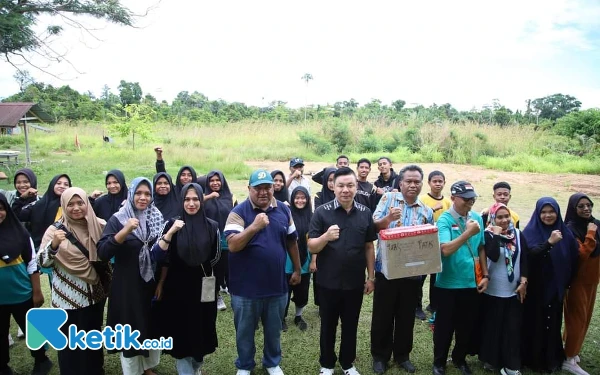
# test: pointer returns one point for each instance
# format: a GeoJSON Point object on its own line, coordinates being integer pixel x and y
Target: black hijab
{"type": "Point", "coordinates": [43, 213]}
{"type": "Point", "coordinates": [178, 183]}
{"type": "Point", "coordinates": [218, 208]}
{"type": "Point", "coordinates": [108, 204]}
{"type": "Point", "coordinates": [577, 224]}
{"type": "Point", "coordinates": [282, 195]}
{"type": "Point", "coordinates": [168, 205]}
{"type": "Point", "coordinates": [564, 254]}
{"type": "Point", "coordinates": [15, 239]}
{"type": "Point", "coordinates": [301, 221]}
{"type": "Point", "coordinates": [197, 240]}
{"type": "Point", "coordinates": [30, 176]}
{"type": "Point", "coordinates": [326, 194]}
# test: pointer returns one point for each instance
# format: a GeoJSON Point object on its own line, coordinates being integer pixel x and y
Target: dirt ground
{"type": "Point", "coordinates": [527, 188]}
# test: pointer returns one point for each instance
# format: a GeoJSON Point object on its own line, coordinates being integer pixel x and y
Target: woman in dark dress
{"type": "Point", "coordinates": [166, 195]}
{"type": "Point", "coordinates": [218, 202]}
{"type": "Point", "coordinates": [25, 183]}
{"type": "Point", "coordinates": [129, 236]}
{"type": "Point", "coordinates": [553, 253]}
{"type": "Point", "coordinates": [502, 301]}
{"type": "Point", "coordinates": [106, 205]}
{"type": "Point", "coordinates": [281, 192]}
{"type": "Point", "coordinates": [193, 250]}
{"type": "Point", "coordinates": [44, 212]}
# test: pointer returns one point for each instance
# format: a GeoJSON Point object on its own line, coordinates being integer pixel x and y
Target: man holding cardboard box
{"type": "Point", "coordinates": [462, 245]}
{"type": "Point", "coordinates": [396, 299]}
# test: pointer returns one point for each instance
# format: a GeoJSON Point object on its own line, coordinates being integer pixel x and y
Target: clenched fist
{"type": "Point", "coordinates": [333, 233]}
{"type": "Point", "coordinates": [261, 220]}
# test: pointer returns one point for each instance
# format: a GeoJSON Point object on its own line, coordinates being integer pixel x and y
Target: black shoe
{"type": "Point", "coordinates": [408, 366]}
{"type": "Point", "coordinates": [419, 314]}
{"type": "Point", "coordinates": [42, 367]}
{"type": "Point", "coordinates": [464, 368]}
{"type": "Point", "coordinates": [430, 309]}
{"type": "Point", "coordinates": [284, 326]}
{"type": "Point", "coordinates": [300, 323]}
{"type": "Point", "coordinates": [6, 371]}
{"type": "Point", "coordinates": [439, 370]}
{"type": "Point", "coordinates": [379, 367]}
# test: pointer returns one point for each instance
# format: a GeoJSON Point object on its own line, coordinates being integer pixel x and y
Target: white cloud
{"type": "Point", "coordinates": [465, 53]}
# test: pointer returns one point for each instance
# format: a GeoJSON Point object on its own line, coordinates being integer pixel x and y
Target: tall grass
{"type": "Point", "coordinates": [228, 146]}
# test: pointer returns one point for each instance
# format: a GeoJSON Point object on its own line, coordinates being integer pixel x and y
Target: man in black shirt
{"type": "Point", "coordinates": [366, 194]}
{"type": "Point", "coordinates": [342, 233]}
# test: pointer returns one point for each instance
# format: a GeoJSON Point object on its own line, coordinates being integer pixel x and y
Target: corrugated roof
{"type": "Point", "coordinates": [11, 113]}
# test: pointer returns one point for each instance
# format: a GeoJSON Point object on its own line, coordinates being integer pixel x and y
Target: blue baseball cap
{"type": "Point", "coordinates": [259, 177]}
{"type": "Point", "coordinates": [295, 162]}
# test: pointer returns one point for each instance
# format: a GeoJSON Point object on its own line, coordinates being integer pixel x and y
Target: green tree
{"type": "Point", "coordinates": [306, 78]}
{"type": "Point", "coordinates": [139, 122]}
{"type": "Point", "coordinates": [585, 122]}
{"type": "Point", "coordinates": [18, 17]}
{"type": "Point", "coordinates": [130, 92]}
{"type": "Point", "coordinates": [555, 106]}
{"type": "Point", "coordinates": [398, 105]}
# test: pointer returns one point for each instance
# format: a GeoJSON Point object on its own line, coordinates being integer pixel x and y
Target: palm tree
{"type": "Point", "coordinates": [306, 77]}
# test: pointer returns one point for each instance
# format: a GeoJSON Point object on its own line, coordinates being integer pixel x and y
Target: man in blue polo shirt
{"type": "Point", "coordinates": [260, 231]}
{"type": "Point", "coordinates": [461, 241]}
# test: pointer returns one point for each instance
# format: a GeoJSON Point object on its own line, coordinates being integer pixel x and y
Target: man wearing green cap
{"type": "Point", "coordinates": [260, 233]}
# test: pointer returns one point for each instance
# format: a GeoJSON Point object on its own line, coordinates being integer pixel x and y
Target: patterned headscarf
{"type": "Point", "coordinates": [151, 223]}
{"type": "Point", "coordinates": [508, 241]}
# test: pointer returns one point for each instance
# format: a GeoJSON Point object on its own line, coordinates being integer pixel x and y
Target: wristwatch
{"type": "Point", "coordinates": [371, 278]}
{"type": "Point", "coordinates": [486, 277]}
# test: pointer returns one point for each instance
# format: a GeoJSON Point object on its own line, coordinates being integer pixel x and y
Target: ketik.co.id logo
{"type": "Point", "coordinates": [43, 326]}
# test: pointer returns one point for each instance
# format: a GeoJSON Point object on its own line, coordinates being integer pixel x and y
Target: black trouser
{"type": "Point", "coordinates": [18, 311]}
{"type": "Point", "coordinates": [432, 290]}
{"type": "Point", "coordinates": [315, 289]}
{"type": "Point", "coordinates": [393, 318]}
{"type": "Point", "coordinates": [456, 313]}
{"type": "Point", "coordinates": [222, 270]}
{"type": "Point", "coordinates": [337, 305]}
{"type": "Point", "coordinates": [300, 292]}
{"type": "Point", "coordinates": [78, 361]}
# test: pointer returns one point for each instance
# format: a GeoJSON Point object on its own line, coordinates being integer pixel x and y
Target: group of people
{"type": "Point", "coordinates": [162, 244]}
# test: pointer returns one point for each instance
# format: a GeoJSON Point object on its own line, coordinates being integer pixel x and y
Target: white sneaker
{"type": "Point", "coordinates": [242, 372]}
{"type": "Point", "coordinates": [577, 359]}
{"type": "Point", "coordinates": [506, 371]}
{"type": "Point", "coordinates": [351, 371]}
{"type": "Point", "coordinates": [11, 342]}
{"type": "Point", "coordinates": [275, 370]}
{"type": "Point", "coordinates": [326, 371]}
{"type": "Point", "coordinates": [570, 365]}
{"type": "Point", "coordinates": [221, 304]}
{"type": "Point", "coordinates": [21, 335]}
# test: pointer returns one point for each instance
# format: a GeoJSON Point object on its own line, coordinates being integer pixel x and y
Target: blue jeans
{"type": "Point", "coordinates": [246, 313]}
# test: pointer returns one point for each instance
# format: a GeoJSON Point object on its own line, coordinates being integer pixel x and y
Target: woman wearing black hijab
{"type": "Point", "coordinates": [25, 183]}
{"type": "Point", "coordinates": [326, 194]}
{"type": "Point", "coordinates": [20, 282]}
{"type": "Point", "coordinates": [301, 209]}
{"type": "Point", "coordinates": [166, 196]}
{"type": "Point", "coordinates": [580, 300]}
{"type": "Point", "coordinates": [553, 253]}
{"type": "Point", "coordinates": [281, 192]}
{"type": "Point", "coordinates": [108, 204]}
{"type": "Point", "coordinates": [218, 202]}
{"type": "Point", "coordinates": [193, 250]}
{"type": "Point", "coordinates": [44, 212]}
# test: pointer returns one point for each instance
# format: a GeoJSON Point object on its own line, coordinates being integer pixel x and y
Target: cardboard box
{"type": "Point", "coordinates": [410, 251]}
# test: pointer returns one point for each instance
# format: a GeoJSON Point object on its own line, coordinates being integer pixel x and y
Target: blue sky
{"type": "Point", "coordinates": [466, 52]}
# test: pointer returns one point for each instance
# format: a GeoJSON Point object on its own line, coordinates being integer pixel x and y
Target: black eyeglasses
{"type": "Point", "coordinates": [585, 205]}
{"type": "Point", "coordinates": [469, 199]}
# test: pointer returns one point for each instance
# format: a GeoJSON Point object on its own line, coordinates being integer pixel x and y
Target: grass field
{"type": "Point", "coordinates": [237, 149]}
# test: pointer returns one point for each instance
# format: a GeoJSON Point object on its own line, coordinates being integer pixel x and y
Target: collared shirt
{"type": "Point", "coordinates": [258, 271]}
{"type": "Point", "coordinates": [411, 214]}
{"type": "Point", "coordinates": [458, 269]}
{"type": "Point", "coordinates": [342, 262]}
{"type": "Point", "coordinates": [430, 201]}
